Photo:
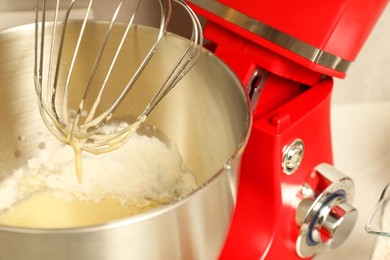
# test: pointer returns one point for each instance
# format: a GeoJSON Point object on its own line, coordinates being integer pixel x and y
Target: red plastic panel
{"type": "Point", "coordinates": [264, 221]}
{"type": "Point", "coordinates": [243, 55]}
{"type": "Point", "coordinates": [354, 27]}
{"type": "Point", "coordinates": [337, 29]}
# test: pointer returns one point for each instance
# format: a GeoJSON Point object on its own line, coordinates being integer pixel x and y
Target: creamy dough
{"type": "Point", "coordinates": [45, 210]}
{"type": "Point", "coordinates": [145, 173]}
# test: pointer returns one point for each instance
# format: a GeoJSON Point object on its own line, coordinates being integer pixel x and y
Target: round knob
{"type": "Point", "coordinates": [324, 214]}
{"type": "Point", "coordinates": [339, 219]}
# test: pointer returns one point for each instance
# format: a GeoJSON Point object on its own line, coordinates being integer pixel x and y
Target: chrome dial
{"type": "Point", "coordinates": [325, 218]}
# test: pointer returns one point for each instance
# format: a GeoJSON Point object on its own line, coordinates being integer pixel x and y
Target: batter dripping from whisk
{"type": "Point", "coordinates": [75, 143]}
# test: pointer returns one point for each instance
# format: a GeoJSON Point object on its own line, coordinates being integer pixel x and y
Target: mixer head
{"type": "Point", "coordinates": [79, 59]}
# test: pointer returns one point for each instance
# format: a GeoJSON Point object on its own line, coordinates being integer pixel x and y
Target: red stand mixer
{"type": "Point", "coordinates": [291, 201]}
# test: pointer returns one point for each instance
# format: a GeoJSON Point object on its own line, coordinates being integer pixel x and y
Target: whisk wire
{"type": "Point", "coordinates": [93, 73]}
{"type": "Point", "coordinates": [49, 119]}
{"type": "Point", "coordinates": [149, 55]}
{"type": "Point", "coordinates": [72, 64]}
{"type": "Point", "coordinates": [188, 57]}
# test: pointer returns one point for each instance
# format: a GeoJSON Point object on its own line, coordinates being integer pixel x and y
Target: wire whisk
{"type": "Point", "coordinates": [84, 126]}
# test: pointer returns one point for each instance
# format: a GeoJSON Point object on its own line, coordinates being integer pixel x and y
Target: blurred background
{"type": "Point", "coordinates": [360, 124]}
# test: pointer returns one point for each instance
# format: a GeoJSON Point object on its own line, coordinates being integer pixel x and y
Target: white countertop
{"type": "Point", "coordinates": [361, 144]}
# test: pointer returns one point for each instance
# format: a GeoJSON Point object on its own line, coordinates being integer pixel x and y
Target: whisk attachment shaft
{"type": "Point", "coordinates": [84, 119]}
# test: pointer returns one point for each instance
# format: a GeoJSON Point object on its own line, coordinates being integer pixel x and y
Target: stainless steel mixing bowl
{"type": "Point", "coordinates": [207, 115]}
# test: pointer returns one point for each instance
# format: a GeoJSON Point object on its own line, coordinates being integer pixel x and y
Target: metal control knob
{"type": "Point", "coordinates": [338, 223]}
{"type": "Point", "coordinates": [325, 217]}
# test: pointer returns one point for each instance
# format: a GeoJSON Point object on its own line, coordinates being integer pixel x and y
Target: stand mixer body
{"type": "Point", "coordinates": [291, 201]}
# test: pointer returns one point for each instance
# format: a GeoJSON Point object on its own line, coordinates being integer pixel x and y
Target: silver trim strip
{"type": "Point", "coordinates": [275, 36]}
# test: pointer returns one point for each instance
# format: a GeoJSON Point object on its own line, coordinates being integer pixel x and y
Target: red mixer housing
{"type": "Point", "coordinates": [291, 202]}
